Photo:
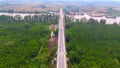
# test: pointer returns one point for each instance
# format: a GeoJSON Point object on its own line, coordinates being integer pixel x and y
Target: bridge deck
{"type": "Point", "coordinates": [61, 53]}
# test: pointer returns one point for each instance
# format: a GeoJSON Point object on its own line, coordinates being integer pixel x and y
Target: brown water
{"type": "Point", "coordinates": [21, 14]}
{"type": "Point", "coordinates": [108, 20]}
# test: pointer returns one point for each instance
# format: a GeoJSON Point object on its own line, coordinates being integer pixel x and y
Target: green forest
{"type": "Point", "coordinates": [24, 42]}
{"type": "Point", "coordinates": [89, 44]}
{"type": "Point", "coordinates": [93, 45]}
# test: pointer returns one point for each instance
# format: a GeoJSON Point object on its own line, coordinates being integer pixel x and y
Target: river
{"type": "Point", "coordinates": [108, 20]}
{"type": "Point", "coordinates": [21, 14]}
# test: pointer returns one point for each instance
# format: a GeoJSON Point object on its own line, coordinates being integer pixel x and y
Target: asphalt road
{"type": "Point", "coordinates": [61, 53]}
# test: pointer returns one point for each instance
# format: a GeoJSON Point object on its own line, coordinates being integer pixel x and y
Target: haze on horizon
{"type": "Point", "coordinates": [57, 0]}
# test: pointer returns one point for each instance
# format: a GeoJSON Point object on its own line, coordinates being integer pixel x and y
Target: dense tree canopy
{"type": "Point", "coordinates": [91, 45]}
{"type": "Point", "coordinates": [24, 42]}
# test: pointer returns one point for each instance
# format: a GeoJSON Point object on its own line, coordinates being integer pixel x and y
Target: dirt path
{"type": "Point", "coordinates": [52, 43]}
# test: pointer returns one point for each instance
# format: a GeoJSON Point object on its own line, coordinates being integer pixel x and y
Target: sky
{"type": "Point", "coordinates": [58, 0]}
{"type": "Point", "coordinates": [100, 0]}
{"type": "Point", "coordinates": [89, 0]}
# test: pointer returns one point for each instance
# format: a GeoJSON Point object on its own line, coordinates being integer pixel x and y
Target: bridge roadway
{"type": "Point", "coordinates": [61, 52]}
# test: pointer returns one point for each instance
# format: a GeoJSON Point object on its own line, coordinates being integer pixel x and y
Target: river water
{"type": "Point", "coordinates": [108, 20]}
{"type": "Point", "coordinates": [21, 14]}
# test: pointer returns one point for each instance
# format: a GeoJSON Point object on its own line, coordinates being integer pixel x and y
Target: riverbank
{"type": "Point", "coordinates": [108, 20]}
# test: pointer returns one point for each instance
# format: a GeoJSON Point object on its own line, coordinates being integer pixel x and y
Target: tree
{"type": "Point", "coordinates": [115, 23]}
{"type": "Point", "coordinates": [83, 20]}
{"type": "Point", "coordinates": [102, 21]}
{"type": "Point", "coordinates": [92, 21]}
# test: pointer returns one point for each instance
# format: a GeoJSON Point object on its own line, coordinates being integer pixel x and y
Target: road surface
{"type": "Point", "coordinates": [61, 53]}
